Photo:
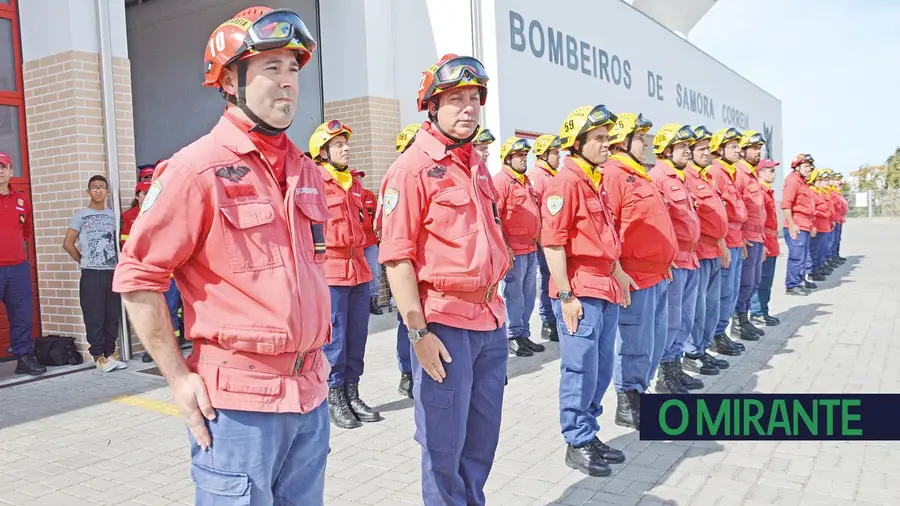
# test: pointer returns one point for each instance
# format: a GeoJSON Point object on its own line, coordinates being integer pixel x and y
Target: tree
{"type": "Point", "coordinates": [870, 177]}
{"type": "Point", "coordinates": [892, 170]}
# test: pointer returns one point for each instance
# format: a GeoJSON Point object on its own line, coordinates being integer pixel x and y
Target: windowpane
{"type": "Point", "coordinates": [10, 136]}
{"type": "Point", "coordinates": [7, 60]}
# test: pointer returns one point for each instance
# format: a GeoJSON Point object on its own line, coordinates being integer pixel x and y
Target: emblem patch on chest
{"type": "Point", "coordinates": [232, 173]}
{"type": "Point", "coordinates": [630, 179]}
{"type": "Point", "coordinates": [240, 190]}
{"type": "Point", "coordinates": [437, 172]}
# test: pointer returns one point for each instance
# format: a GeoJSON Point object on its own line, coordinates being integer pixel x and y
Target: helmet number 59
{"type": "Point", "coordinates": [217, 43]}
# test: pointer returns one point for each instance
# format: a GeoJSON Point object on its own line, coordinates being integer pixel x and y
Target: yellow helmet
{"type": "Point", "coordinates": [406, 136]}
{"type": "Point", "coordinates": [324, 133]}
{"type": "Point", "coordinates": [514, 145]}
{"type": "Point", "coordinates": [751, 138]}
{"type": "Point", "coordinates": [671, 133]}
{"type": "Point", "coordinates": [813, 176]}
{"type": "Point", "coordinates": [722, 136]}
{"type": "Point", "coordinates": [626, 124]}
{"type": "Point", "coordinates": [545, 143]}
{"type": "Point", "coordinates": [484, 136]}
{"type": "Point", "coordinates": [701, 133]}
{"type": "Point", "coordinates": [581, 121]}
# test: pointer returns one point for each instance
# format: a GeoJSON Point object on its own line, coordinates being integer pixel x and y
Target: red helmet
{"type": "Point", "coordinates": [801, 158]}
{"type": "Point", "coordinates": [451, 72]}
{"type": "Point", "coordinates": [253, 31]}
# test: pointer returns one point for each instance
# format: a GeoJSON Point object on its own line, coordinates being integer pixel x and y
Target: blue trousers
{"type": "Point", "coordinates": [819, 246]}
{"type": "Point", "coordinates": [546, 309]}
{"type": "Point", "coordinates": [372, 259]}
{"type": "Point", "coordinates": [173, 301]}
{"type": "Point", "coordinates": [750, 275]}
{"type": "Point", "coordinates": [836, 243]}
{"type": "Point", "coordinates": [729, 288]}
{"type": "Point", "coordinates": [587, 360]}
{"type": "Point", "coordinates": [706, 314]}
{"type": "Point", "coordinates": [458, 421]}
{"type": "Point", "coordinates": [682, 297]}
{"type": "Point", "coordinates": [349, 332]}
{"type": "Point", "coordinates": [17, 295]}
{"type": "Point", "coordinates": [642, 336]}
{"type": "Point", "coordinates": [261, 459]}
{"type": "Point", "coordinates": [798, 251]}
{"type": "Point", "coordinates": [519, 289]}
{"type": "Point", "coordinates": [403, 346]}
{"type": "Point", "coordinates": [759, 303]}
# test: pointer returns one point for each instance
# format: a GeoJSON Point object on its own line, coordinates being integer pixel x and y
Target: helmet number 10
{"type": "Point", "coordinates": [217, 43]}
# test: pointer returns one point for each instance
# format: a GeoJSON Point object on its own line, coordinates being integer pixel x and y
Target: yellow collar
{"type": "Point", "coordinates": [542, 164]}
{"type": "Point", "coordinates": [767, 185]}
{"type": "Point", "coordinates": [629, 162]}
{"type": "Point", "coordinates": [343, 177]}
{"type": "Point", "coordinates": [702, 172]}
{"type": "Point", "coordinates": [593, 173]}
{"type": "Point", "coordinates": [747, 166]}
{"type": "Point", "coordinates": [678, 172]}
{"type": "Point", "coordinates": [728, 168]}
{"type": "Point", "coordinates": [519, 177]}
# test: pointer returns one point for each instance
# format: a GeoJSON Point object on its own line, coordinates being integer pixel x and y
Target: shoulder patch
{"type": "Point", "coordinates": [150, 198]}
{"type": "Point", "coordinates": [554, 204]}
{"type": "Point", "coordinates": [391, 198]}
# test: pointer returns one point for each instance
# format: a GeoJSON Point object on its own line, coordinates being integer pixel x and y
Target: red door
{"type": "Point", "coordinates": [12, 137]}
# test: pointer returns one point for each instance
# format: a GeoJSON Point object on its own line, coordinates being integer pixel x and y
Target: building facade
{"type": "Point", "coordinates": [102, 86]}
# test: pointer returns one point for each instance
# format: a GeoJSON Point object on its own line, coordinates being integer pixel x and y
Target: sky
{"type": "Point", "coordinates": [834, 64]}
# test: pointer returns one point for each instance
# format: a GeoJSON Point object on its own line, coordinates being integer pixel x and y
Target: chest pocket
{"type": "Point", "coordinates": [317, 214]}
{"type": "Point", "coordinates": [335, 202]}
{"type": "Point", "coordinates": [453, 214]}
{"type": "Point", "coordinates": [250, 233]}
{"type": "Point", "coordinates": [599, 217]}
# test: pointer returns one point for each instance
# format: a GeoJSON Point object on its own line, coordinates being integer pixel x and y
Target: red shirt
{"type": "Point", "coordinates": [576, 216]}
{"type": "Point", "coordinates": [723, 177]}
{"type": "Point", "coordinates": [824, 216]}
{"type": "Point", "coordinates": [770, 229]}
{"type": "Point", "coordinates": [798, 199]}
{"type": "Point", "coordinates": [641, 219]}
{"type": "Point", "coordinates": [681, 209]}
{"type": "Point", "coordinates": [128, 218]}
{"type": "Point", "coordinates": [747, 184]}
{"type": "Point", "coordinates": [248, 263]}
{"type": "Point", "coordinates": [370, 204]}
{"type": "Point", "coordinates": [541, 175]}
{"type": "Point", "coordinates": [710, 211]}
{"type": "Point", "coordinates": [15, 227]}
{"type": "Point", "coordinates": [439, 212]}
{"type": "Point", "coordinates": [519, 211]}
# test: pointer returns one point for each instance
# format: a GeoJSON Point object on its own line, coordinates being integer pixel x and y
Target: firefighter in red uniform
{"type": "Point", "coordinates": [798, 208]}
{"type": "Point", "coordinates": [347, 273]}
{"type": "Point", "coordinates": [520, 216]}
{"type": "Point", "coordinates": [370, 205]}
{"type": "Point", "coordinates": [16, 292]}
{"type": "Point", "coordinates": [672, 146]}
{"type": "Point", "coordinates": [444, 252]}
{"type": "Point", "coordinates": [649, 247]}
{"type": "Point", "coordinates": [751, 191]}
{"type": "Point", "coordinates": [482, 142]}
{"type": "Point", "coordinates": [128, 217]}
{"type": "Point", "coordinates": [823, 221]}
{"type": "Point", "coordinates": [247, 250]}
{"type": "Point", "coordinates": [726, 150]}
{"type": "Point", "coordinates": [759, 303]}
{"type": "Point", "coordinates": [837, 182]}
{"type": "Point", "coordinates": [586, 280]}
{"type": "Point", "coordinates": [546, 149]}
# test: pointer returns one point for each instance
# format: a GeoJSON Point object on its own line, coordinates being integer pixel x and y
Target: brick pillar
{"type": "Point", "coordinates": [66, 145]}
{"type": "Point", "coordinates": [375, 122]}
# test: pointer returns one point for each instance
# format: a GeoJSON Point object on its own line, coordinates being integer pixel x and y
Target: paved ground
{"type": "Point", "coordinates": [88, 438]}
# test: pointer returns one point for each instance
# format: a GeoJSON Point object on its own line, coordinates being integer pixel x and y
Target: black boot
{"type": "Point", "coordinates": [28, 364]}
{"type": "Point", "coordinates": [765, 319]}
{"type": "Point", "coordinates": [742, 328]}
{"type": "Point", "coordinates": [738, 345]}
{"type": "Point", "coordinates": [339, 410]}
{"type": "Point", "coordinates": [607, 452]}
{"type": "Point", "coordinates": [406, 383]}
{"type": "Point", "coordinates": [587, 460]}
{"type": "Point", "coordinates": [724, 346]}
{"type": "Point", "coordinates": [687, 381]}
{"type": "Point", "coordinates": [549, 332]}
{"type": "Point", "coordinates": [698, 365]}
{"type": "Point", "coordinates": [146, 358]}
{"type": "Point", "coordinates": [718, 362]}
{"type": "Point", "coordinates": [362, 411]}
{"type": "Point", "coordinates": [628, 409]}
{"type": "Point", "coordinates": [797, 290]}
{"type": "Point", "coordinates": [667, 382]}
{"type": "Point", "coordinates": [374, 308]}
{"type": "Point", "coordinates": [531, 345]}
{"type": "Point", "coordinates": [519, 349]}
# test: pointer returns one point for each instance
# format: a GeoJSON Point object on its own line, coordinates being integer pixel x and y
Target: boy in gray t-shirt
{"type": "Point", "coordinates": [94, 230]}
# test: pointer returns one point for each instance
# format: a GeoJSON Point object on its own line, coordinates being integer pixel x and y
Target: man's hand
{"type": "Point", "coordinates": [670, 276]}
{"type": "Point", "coordinates": [430, 350]}
{"type": "Point", "coordinates": [572, 313]}
{"type": "Point", "coordinates": [512, 258]}
{"type": "Point", "coordinates": [626, 284]}
{"type": "Point", "coordinates": [812, 233]}
{"type": "Point", "coordinates": [724, 256]}
{"type": "Point", "coordinates": [192, 400]}
{"type": "Point", "coordinates": [745, 251]}
{"type": "Point", "coordinates": [794, 231]}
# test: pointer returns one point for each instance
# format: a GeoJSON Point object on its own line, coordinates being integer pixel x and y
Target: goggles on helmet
{"type": "Point", "coordinates": [520, 145]}
{"type": "Point", "coordinates": [755, 139]}
{"type": "Point", "coordinates": [457, 70]}
{"type": "Point", "coordinates": [600, 115]}
{"type": "Point", "coordinates": [275, 30]}
{"type": "Point", "coordinates": [555, 144]}
{"type": "Point", "coordinates": [684, 134]}
{"type": "Point", "coordinates": [484, 137]}
{"type": "Point", "coordinates": [730, 135]}
{"type": "Point", "coordinates": [335, 126]}
{"type": "Point", "coordinates": [701, 132]}
{"type": "Point", "coordinates": [642, 124]}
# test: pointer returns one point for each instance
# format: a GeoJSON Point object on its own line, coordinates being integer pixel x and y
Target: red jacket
{"type": "Point", "coordinates": [824, 217]}
{"type": "Point", "coordinates": [747, 184]}
{"type": "Point", "coordinates": [710, 210]}
{"type": "Point", "coordinates": [797, 198]}
{"type": "Point", "coordinates": [15, 227]}
{"type": "Point", "coordinates": [681, 210]}
{"type": "Point", "coordinates": [770, 229]}
{"type": "Point", "coordinates": [128, 218]}
{"type": "Point", "coordinates": [723, 179]}
{"type": "Point", "coordinates": [370, 205]}
{"type": "Point", "coordinates": [345, 240]}
{"type": "Point", "coordinates": [519, 211]}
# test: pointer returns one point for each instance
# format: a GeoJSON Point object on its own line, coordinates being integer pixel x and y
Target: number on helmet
{"type": "Point", "coordinates": [217, 43]}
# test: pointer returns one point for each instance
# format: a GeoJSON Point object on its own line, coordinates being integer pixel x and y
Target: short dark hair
{"type": "Point", "coordinates": [98, 177]}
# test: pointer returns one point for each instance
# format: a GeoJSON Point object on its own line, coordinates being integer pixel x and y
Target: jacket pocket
{"type": "Point", "coordinates": [249, 231]}
{"type": "Point", "coordinates": [260, 340]}
{"type": "Point", "coordinates": [249, 383]}
{"type": "Point", "coordinates": [451, 214]}
{"type": "Point", "coordinates": [317, 214]}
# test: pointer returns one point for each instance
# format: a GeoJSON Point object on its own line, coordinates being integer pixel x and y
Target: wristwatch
{"type": "Point", "coordinates": [566, 296]}
{"type": "Point", "coordinates": [416, 335]}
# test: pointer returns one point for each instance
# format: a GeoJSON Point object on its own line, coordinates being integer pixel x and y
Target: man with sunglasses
{"type": "Point", "coordinates": [798, 207]}
{"type": "Point", "coordinates": [726, 149]}
{"type": "Point", "coordinates": [348, 275]}
{"type": "Point", "coordinates": [713, 254]}
{"type": "Point", "coordinates": [586, 284]}
{"type": "Point", "coordinates": [751, 192]}
{"type": "Point", "coordinates": [444, 251]}
{"type": "Point", "coordinates": [672, 146]}
{"type": "Point", "coordinates": [649, 247]}
{"type": "Point", "coordinates": [520, 216]}
{"type": "Point", "coordinates": [546, 149]}
{"type": "Point", "coordinates": [247, 250]}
